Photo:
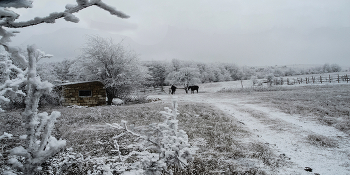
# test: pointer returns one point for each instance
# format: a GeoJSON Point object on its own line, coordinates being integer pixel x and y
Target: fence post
{"type": "Point", "coordinates": [313, 79]}
{"type": "Point", "coordinates": [347, 79]}
{"type": "Point", "coordinates": [306, 80]}
{"type": "Point", "coordinates": [321, 79]}
{"type": "Point", "coordinates": [330, 78]}
{"type": "Point", "coordinates": [338, 78]}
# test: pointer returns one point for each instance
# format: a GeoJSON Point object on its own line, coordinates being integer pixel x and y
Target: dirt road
{"type": "Point", "coordinates": [286, 134]}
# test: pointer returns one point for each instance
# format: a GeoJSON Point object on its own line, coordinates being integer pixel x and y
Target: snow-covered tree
{"type": "Point", "coordinates": [158, 71]}
{"type": "Point", "coordinates": [234, 70]}
{"type": "Point", "coordinates": [203, 71]}
{"type": "Point", "coordinates": [56, 72]}
{"type": "Point", "coordinates": [185, 76]}
{"type": "Point", "coordinates": [39, 145]}
{"type": "Point", "coordinates": [225, 73]}
{"type": "Point", "coordinates": [335, 68]}
{"type": "Point", "coordinates": [114, 65]}
{"type": "Point", "coordinates": [327, 68]}
{"type": "Point", "coordinates": [176, 64]}
{"type": "Point", "coordinates": [46, 71]}
{"type": "Point", "coordinates": [61, 70]}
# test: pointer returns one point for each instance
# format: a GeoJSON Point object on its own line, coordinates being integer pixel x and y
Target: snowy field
{"type": "Point", "coordinates": [309, 124]}
{"type": "Point", "coordinates": [278, 130]}
{"type": "Point", "coordinates": [226, 128]}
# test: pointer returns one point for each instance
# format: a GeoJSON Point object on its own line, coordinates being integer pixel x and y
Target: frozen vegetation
{"type": "Point", "coordinates": [244, 138]}
{"type": "Point", "coordinates": [20, 70]}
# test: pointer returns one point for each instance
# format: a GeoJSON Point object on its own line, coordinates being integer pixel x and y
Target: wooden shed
{"type": "Point", "coordinates": [87, 93]}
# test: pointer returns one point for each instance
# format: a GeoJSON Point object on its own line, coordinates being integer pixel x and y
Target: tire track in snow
{"type": "Point", "coordinates": [287, 135]}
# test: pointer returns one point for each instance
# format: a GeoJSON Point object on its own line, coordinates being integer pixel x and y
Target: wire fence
{"type": "Point", "coordinates": [310, 80]}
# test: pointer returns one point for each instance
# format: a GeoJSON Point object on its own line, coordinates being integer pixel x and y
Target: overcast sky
{"type": "Point", "coordinates": [245, 32]}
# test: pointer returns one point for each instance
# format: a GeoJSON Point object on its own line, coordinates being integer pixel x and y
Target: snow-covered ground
{"type": "Point", "coordinates": [286, 134]}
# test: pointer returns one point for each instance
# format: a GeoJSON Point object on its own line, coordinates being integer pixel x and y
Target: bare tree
{"type": "Point", "coordinates": [112, 64]}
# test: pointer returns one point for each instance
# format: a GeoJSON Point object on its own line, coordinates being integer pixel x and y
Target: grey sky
{"type": "Point", "coordinates": [245, 32]}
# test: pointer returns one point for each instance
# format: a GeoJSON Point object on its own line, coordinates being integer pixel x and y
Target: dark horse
{"type": "Point", "coordinates": [173, 89]}
{"type": "Point", "coordinates": [193, 88]}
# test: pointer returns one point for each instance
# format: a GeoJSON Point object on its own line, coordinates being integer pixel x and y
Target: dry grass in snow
{"type": "Point", "coordinates": [217, 136]}
{"type": "Point", "coordinates": [328, 103]}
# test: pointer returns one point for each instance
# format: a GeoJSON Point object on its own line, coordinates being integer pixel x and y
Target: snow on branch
{"type": "Point", "coordinates": [159, 146]}
{"type": "Point", "coordinates": [16, 3]}
{"type": "Point", "coordinates": [6, 35]}
{"type": "Point", "coordinates": [67, 14]}
{"type": "Point", "coordinates": [9, 86]}
{"type": "Point", "coordinates": [8, 14]}
{"type": "Point", "coordinates": [111, 10]}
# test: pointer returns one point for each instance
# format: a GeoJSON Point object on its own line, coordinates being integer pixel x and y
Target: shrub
{"type": "Point", "coordinates": [270, 78]}
{"type": "Point", "coordinates": [51, 99]}
{"type": "Point", "coordinates": [254, 80]}
{"type": "Point", "coordinates": [320, 140]}
{"type": "Point", "coordinates": [135, 98]}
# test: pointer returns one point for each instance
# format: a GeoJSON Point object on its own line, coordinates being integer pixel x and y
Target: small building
{"type": "Point", "coordinates": [87, 93]}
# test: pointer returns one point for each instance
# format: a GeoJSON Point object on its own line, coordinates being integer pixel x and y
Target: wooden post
{"type": "Point", "coordinates": [313, 80]}
{"type": "Point", "coordinates": [338, 78]}
{"type": "Point", "coordinates": [330, 78]}
{"type": "Point", "coordinates": [306, 80]}
{"type": "Point", "coordinates": [347, 79]}
{"type": "Point", "coordinates": [301, 79]}
{"type": "Point", "coordinates": [321, 79]}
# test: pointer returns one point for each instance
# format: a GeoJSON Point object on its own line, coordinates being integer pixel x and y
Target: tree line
{"type": "Point", "coordinates": [120, 70]}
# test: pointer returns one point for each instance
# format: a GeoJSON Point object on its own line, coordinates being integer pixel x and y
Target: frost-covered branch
{"type": "Point", "coordinates": [16, 3]}
{"type": "Point", "coordinates": [67, 14]}
{"type": "Point", "coordinates": [159, 145]}
{"type": "Point", "coordinates": [40, 145]}
{"type": "Point", "coordinates": [9, 85]}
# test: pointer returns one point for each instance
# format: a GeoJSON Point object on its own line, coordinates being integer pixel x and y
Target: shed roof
{"type": "Point", "coordinates": [79, 82]}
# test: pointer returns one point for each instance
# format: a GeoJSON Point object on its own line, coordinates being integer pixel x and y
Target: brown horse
{"type": "Point", "coordinates": [193, 88]}
{"type": "Point", "coordinates": [173, 89]}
